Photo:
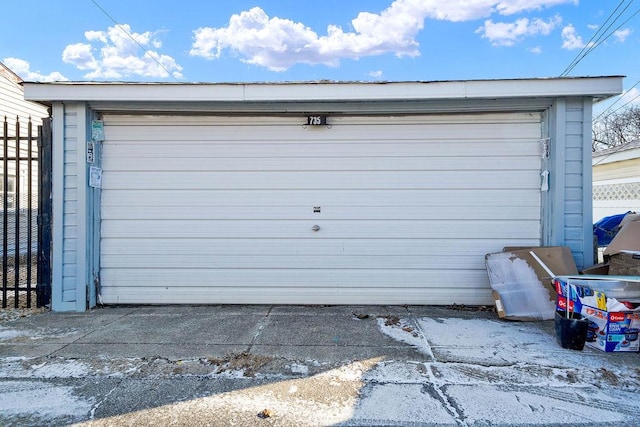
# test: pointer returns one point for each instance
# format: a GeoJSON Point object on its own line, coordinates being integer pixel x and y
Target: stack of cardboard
{"type": "Point", "coordinates": [623, 253]}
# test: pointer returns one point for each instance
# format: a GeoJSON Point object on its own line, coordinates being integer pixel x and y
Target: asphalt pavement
{"type": "Point", "coordinates": [305, 365]}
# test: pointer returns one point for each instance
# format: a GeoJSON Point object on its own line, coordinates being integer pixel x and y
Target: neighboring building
{"type": "Point", "coordinates": [616, 180]}
{"type": "Point", "coordinates": [13, 104]}
{"type": "Point", "coordinates": [15, 110]}
{"type": "Point", "coordinates": [313, 193]}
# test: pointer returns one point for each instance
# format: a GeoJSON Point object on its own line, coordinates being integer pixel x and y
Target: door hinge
{"type": "Point", "coordinates": [544, 147]}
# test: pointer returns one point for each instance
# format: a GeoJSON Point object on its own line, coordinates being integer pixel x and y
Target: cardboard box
{"type": "Point", "coordinates": [622, 256]}
{"type": "Point", "coordinates": [624, 263]}
{"type": "Point", "coordinates": [598, 269]}
{"type": "Point", "coordinates": [522, 288]}
{"type": "Point", "coordinates": [627, 239]}
{"type": "Point", "coordinates": [613, 326]}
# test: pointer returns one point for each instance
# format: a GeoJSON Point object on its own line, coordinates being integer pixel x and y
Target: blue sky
{"type": "Point", "coordinates": [345, 40]}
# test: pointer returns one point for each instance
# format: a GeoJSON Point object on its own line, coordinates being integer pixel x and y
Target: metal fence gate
{"type": "Point", "coordinates": [25, 215]}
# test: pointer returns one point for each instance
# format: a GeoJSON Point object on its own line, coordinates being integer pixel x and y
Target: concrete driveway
{"type": "Point", "coordinates": [297, 366]}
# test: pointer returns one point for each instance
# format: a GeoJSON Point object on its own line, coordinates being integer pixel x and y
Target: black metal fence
{"type": "Point", "coordinates": [25, 214]}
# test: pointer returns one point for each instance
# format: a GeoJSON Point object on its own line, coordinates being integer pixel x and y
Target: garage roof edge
{"type": "Point", "coordinates": [596, 87]}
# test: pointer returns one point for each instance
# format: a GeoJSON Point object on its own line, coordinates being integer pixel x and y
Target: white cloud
{"type": "Point", "coordinates": [23, 69]}
{"type": "Point", "coordinates": [96, 36]}
{"type": "Point", "coordinates": [630, 97]}
{"type": "Point", "coordinates": [570, 38]}
{"type": "Point", "coordinates": [121, 55]}
{"type": "Point", "coordinates": [621, 35]}
{"type": "Point", "coordinates": [376, 74]}
{"type": "Point", "coordinates": [536, 50]}
{"type": "Point", "coordinates": [507, 34]}
{"type": "Point", "coordinates": [81, 56]}
{"type": "Point", "coordinates": [278, 44]}
{"type": "Point", "coordinates": [510, 7]}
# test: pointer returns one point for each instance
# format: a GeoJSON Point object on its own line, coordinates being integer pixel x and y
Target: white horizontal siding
{"type": "Point", "coordinates": [629, 169]}
{"type": "Point", "coordinates": [304, 164]}
{"type": "Point", "coordinates": [135, 246]}
{"type": "Point", "coordinates": [221, 209]}
{"type": "Point", "coordinates": [453, 198]}
{"type": "Point", "coordinates": [13, 105]}
{"type": "Point", "coordinates": [350, 229]}
{"type": "Point", "coordinates": [277, 294]}
{"type": "Point", "coordinates": [296, 150]}
{"type": "Point", "coordinates": [360, 213]}
{"type": "Point", "coordinates": [316, 180]}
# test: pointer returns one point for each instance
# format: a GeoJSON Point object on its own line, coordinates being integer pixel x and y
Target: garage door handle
{"type": "Point", "coordinates": [316, 228]}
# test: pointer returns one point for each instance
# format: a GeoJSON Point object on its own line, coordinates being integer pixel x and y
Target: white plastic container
{"type": "Point", "coordinates": [619, 287]}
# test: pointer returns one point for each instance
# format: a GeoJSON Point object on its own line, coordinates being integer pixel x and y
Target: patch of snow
{"type": "Point", "coordinates": [299, 369]}
{"type": "Point", "coordinates": [13, 367]}
{"type": "Point", "coordinates": [47, 401]}
{"type": "Point", "coordinates": [9, 334]}
{"type": "Point", "coordinates": [39, 368]}
{"type": "Point", "coordinates": [397, 372]}
{"type": "Point", "coordinates": [479, 406]}
{"type": "Point", "coordinates": [394, 404]}
{"type": "Point", "coordinates": [400, 332]}
{"type": "Point", "coordinates": [354, 371]}
{"type": "Point", "coordinates": [232, 374]}
{"type": "Point", "coordinates": [495, 342]}
{"type": "Point", "coordinates": [62, 369]}
{"type": "Point", "coordinates": [493, 352]}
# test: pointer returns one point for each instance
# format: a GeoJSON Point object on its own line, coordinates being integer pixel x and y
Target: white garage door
{"type": "Point", "coordinates": [368, 210]}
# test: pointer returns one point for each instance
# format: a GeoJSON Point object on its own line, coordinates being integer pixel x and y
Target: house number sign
{"type": "Point", "coordinates": [317, 120]}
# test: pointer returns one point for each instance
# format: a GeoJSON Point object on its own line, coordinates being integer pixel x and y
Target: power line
{"type": "Point", "coordinates": [146, 51]}
{"type": "Point", "coordinates": [603, 112]}
{"type": "Point", "coordinates": [592, 45]}
{"type": "Point", "coordinates": [616, 101]}
{"type": "Point", "coordinates": [588, 44]}
{"type": "Point", "coordinates": [598, 35]}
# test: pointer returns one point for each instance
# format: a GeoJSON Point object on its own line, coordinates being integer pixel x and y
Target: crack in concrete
{"type": "Point", "coordinates": [95, 407]}
{"type": "Point", "coordinates": [261, 325]}
{"type": "Point", "coordinates": [93, 331]}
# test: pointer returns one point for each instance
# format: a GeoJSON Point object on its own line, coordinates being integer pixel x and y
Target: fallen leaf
{"type": "Point", "coordinates": [266, 413]}
{"type": "Point", "coordinates": [391, 320]}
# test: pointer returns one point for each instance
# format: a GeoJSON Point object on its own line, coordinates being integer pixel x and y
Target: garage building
{"type": "Point", "coordinates": [312, 193]}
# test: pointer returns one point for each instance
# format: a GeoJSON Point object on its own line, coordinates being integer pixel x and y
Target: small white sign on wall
{"type": "Point", "coordinates": [95, 177]}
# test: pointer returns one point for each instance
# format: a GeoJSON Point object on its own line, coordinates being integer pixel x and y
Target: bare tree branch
{"type": "Point", "coordinates": [616, 129]}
